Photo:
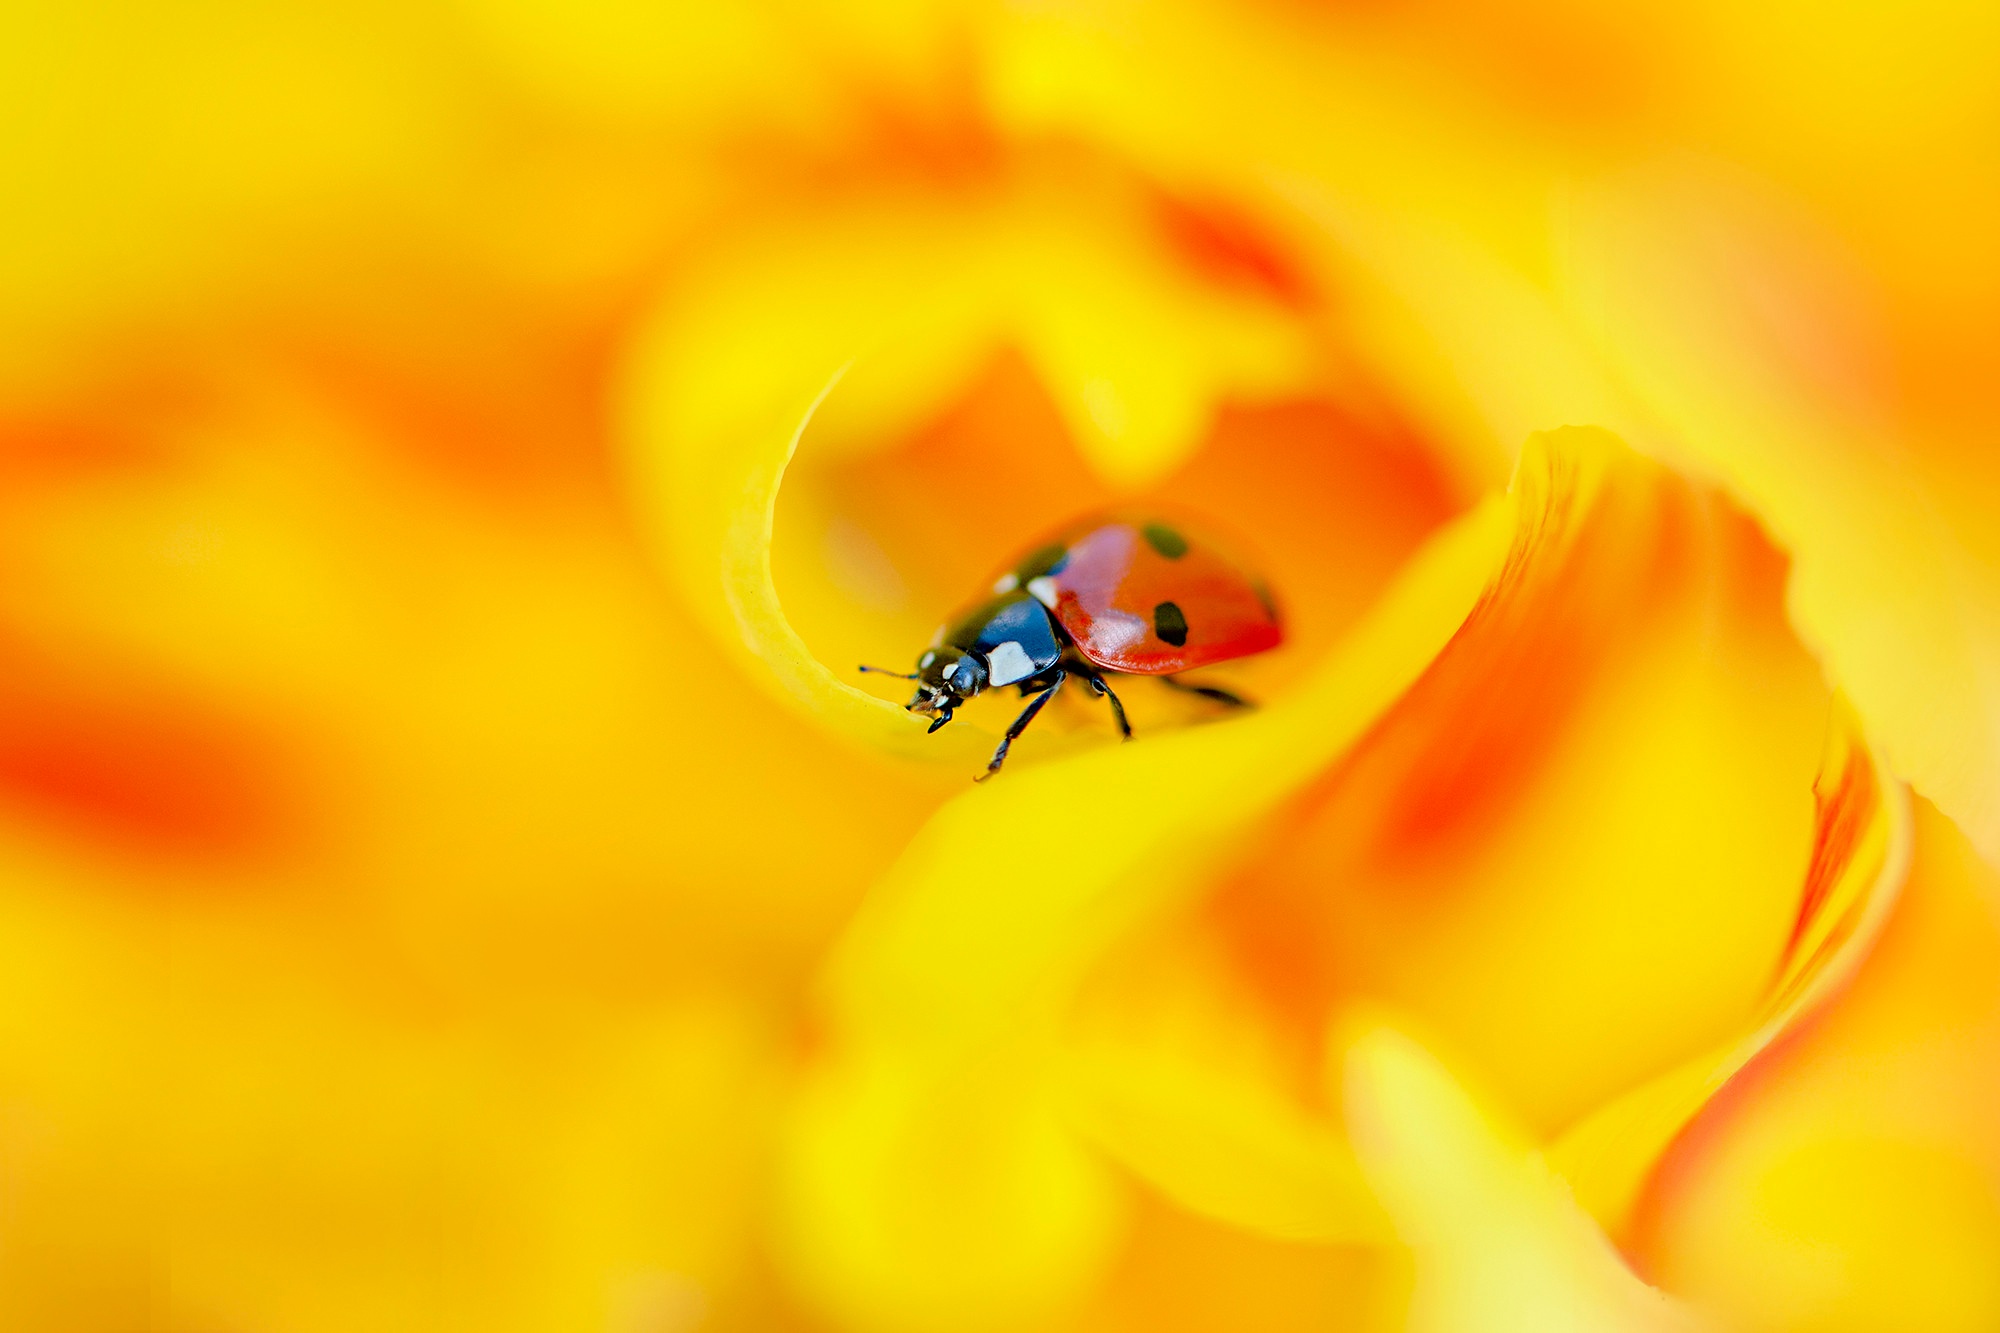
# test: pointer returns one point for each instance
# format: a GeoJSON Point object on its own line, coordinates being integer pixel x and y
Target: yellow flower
{"type": "Point", "coordinates": [451, 877]}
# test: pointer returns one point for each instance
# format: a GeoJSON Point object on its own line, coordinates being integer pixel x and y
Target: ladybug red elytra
{"type": "Point", "coordinates": [1111, 595]}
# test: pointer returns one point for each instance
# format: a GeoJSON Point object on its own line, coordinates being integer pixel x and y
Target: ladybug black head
{"type": "Point", "coordinates": [945, 679]}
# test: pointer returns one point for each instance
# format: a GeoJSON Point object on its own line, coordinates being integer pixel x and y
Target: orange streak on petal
{"type": "Point", "coordinates": [1843, 813]}
{"type": "Point", "coordinates": [148, 776]}
{"type": "Point", "coordinates": [1228, 249]}
{"type": "Point", "coordinates": [1441, 768]}
{"type": "Point", "coordinates": [1621, 1160]}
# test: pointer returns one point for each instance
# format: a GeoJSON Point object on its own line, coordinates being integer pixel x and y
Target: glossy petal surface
{"type": "Point", "coordinates": [1850, 1178]}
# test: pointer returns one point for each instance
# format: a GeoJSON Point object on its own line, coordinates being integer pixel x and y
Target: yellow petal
{"type": "Point", "coordinates": [1589, 728]}
{"type": "Point", "coordinates": [1179, 1272]}
{"type": "Point", "coordinates": [919, 1193]}
{"type": "Point", "coordinates": [1190, 1051]}
{"type": "Point", "coordinates": [321, 1145]}
{"type": "Point", "coordinates": [1330, 497]}
{"type": "Point", "coordinates": [720, 496]}
{"type": "Point", "coordinates": [1015, 882]}
{"type": "Point", "coordinates": [158, 157]}
{"type": "Point", "coordinates": [1747, 328]}
{"type": "Point", "coordinates": [1849, 1178]}
{"type": "Point", "coordinates": [916, 291]}
{"type": "Point", "coordinates": [1496, 1242]}
{"type": "Point", "coordinates": [1431, 225]}
{"type": "Point", "coordinates": [946, 994]}
{"type": "Point", "coordinates": [357, 885]}
{"type": "Point", "coordinates": [1861, 854]}
{"type": "Point", "coordinates": [1177, 1070]}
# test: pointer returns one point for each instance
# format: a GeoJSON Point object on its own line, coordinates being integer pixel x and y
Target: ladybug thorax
{"type": "Point", "coordinates": [1004, 641]}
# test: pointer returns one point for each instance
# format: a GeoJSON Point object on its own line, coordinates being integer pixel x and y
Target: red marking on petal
{"type": "Point", "coordinates": [1228, 250]}
{"type": "Point", "coordinates": [507, 414]}
{"type": "Point", "coordinates": [1841, 815]}
{"type": "Point", "coordinates": [117, 422]}
{"type": "Point", "coordinates": [1367, 847]}
{"type": "Point", "coordinates": [140, 774]}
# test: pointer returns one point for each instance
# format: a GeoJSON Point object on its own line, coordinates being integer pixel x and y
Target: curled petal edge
{"type": "Point", "coordinates": [712, 501]}
{"type": "Point", "coordinates": [941, 949]}
{"type": "Point", "coordinates": [1862, 844]}
{"type": "Point", "coordinates": [1246, 1156]}
{"type": "Point", "coordinates": [1238, 1149]}
{"type": "Point", "coordinates": [965, 957]}
{"type": "Point", "coordinates": [1496, 1241]}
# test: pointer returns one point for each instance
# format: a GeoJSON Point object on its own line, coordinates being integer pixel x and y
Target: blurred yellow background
{"type": "Point", "coordinates": [450, 878]}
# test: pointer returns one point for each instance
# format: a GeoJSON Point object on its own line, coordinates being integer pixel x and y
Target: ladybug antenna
{"type": "Point", "coordinates": [884, 671]}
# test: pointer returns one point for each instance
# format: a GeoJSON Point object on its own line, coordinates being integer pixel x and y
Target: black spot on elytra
{"type": "Point", "coordinates": [1165, 540]}
{"type": "Point", "coordinates": [1049, 559]}
{"type": "Point", "coordinates": [1170, 624]}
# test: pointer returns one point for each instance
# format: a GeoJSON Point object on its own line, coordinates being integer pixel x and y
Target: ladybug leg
{"type": "Point", "coordinates": [1021, 724]}
{"type": "Point", "coordinates": [1101, 686]}
{"type": "Point", "coordinates": [1207, 692]}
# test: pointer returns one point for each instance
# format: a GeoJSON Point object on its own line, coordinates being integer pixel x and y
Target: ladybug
{"type": "Point", "coordinates": [1112, 595]}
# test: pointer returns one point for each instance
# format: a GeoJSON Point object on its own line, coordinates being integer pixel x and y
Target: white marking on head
{"type": "Point", "coordinates": [1114, 631]}
{"type": "Point", "coordinates": [926, 660]}
{"type": "Point", "coordinates": [1008, 663]}
{"type": "Point", "coordinates": [1006, 583]}
{"type": "Point", "coordinates": [1044, 591]}
{"type": "Point", "coordinates": [952, 670]}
